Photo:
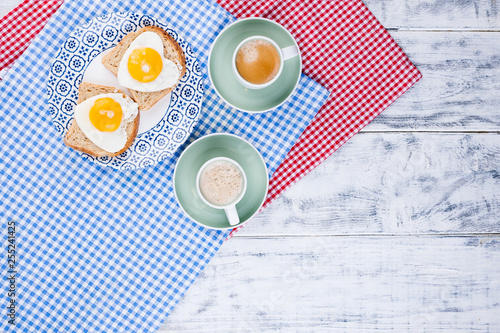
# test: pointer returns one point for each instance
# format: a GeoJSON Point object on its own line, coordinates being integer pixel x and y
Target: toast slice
{"type": "Point", "coordinates": [75, 137]}
{"type": "Point", "coordinates": [171, 51]}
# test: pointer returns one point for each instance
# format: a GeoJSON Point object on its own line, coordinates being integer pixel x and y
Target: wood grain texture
{"type": "Point", "coordinates": [436, 14]}
{"type": "Point", "coordinates": [459, 88]}
{"type": "Point", "coordinates": [346, 284]}
{"type": "Point", "coordinates": [394, 183]}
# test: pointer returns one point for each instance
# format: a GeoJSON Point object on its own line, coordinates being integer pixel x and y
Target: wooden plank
{"type": "Point", "coordinates": [368, 284]}
{"type": "Point", "coordinates": [459, 88]}
{"type": "Point", "coordinates": [7, 5]}
{"type": "Point", "coordinates": [436, 14]}
{"type": "Point", "coordinates": [394, 183]}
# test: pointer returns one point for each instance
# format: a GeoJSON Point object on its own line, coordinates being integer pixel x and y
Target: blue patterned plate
{"type": "Point", "coordinates": [163, 128]}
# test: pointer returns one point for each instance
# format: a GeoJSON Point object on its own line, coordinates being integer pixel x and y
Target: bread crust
{"type": "Point", "coordinates": [75, 137]}
{"type": "Point", "coordinates": [146, 100]}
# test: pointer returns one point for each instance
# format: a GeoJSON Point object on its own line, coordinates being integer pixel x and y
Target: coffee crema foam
{"type": "Point", "coordinates": [221, 183]}
{"type": "Point", "coordinates": [258, 61]}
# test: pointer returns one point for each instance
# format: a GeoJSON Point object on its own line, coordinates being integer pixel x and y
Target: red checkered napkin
{"type": "Point", "coordinates": [343, 47]}
{"type": "Point", "coordinates": [21, 25]}
{"type": "Point", "coordinates": [348, 51]}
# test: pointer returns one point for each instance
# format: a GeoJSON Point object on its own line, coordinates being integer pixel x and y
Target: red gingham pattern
{"type": "Point", "coordinates": [21, 25]}
{"type": "Point", "coordinates": [343, 47]}
{"type": "Point", "coordinates": [348, 51]}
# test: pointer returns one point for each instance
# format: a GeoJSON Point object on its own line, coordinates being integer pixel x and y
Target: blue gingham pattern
{"type": "Point", "coordinates": [102, 250]}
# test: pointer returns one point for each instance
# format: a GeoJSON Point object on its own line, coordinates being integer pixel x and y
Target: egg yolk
{"type": "Point", "coordinates": [144, 64]}
{"type": "Point", "coordinates": [106, 114]}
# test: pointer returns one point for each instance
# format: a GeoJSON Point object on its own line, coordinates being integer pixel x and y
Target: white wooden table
{"type": "Point", "coordinates": [399, 230]}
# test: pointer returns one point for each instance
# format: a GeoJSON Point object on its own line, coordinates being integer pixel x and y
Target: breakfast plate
{"type": "Point", "coordinates": [228, 146]}
{"type": "Point", "coordinates": [224, 81]}
{"type": "Point", "coordinates": [163, 128]}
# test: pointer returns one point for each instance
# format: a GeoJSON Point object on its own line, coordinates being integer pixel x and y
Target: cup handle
{"type": "Point", "coordinates": [232, 215]}
{"type": "Point", "coordinates": [289, 52]}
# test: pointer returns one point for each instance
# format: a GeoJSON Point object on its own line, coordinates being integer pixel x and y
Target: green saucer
{"type": "Point", "coordinates": [221, 73]}
{"type": "Point", "coordinates": [204, 149]}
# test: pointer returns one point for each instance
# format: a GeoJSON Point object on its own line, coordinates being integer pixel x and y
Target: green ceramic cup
{"type": "Point", "coordinates": [227, 86]}
{"type": "Point", "coordinates": [204, 149]}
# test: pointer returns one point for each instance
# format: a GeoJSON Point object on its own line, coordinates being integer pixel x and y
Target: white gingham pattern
{"type": "Point", "coordinates": [102, 250]}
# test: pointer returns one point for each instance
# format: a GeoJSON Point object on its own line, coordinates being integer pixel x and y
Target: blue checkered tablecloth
{"type": "Point", "coordinates": [99, 250]}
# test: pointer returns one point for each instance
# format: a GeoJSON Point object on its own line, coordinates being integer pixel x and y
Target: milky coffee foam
{"type": "Point", "coordinates": [258, 61]}
{"type": "Point", "coordinates": [221, 183]}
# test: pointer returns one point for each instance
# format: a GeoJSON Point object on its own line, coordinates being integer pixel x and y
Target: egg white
{"type": "Point", "coordinates": [109, 141]}
{"type": "Point", "coordinates": [168, 76]}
